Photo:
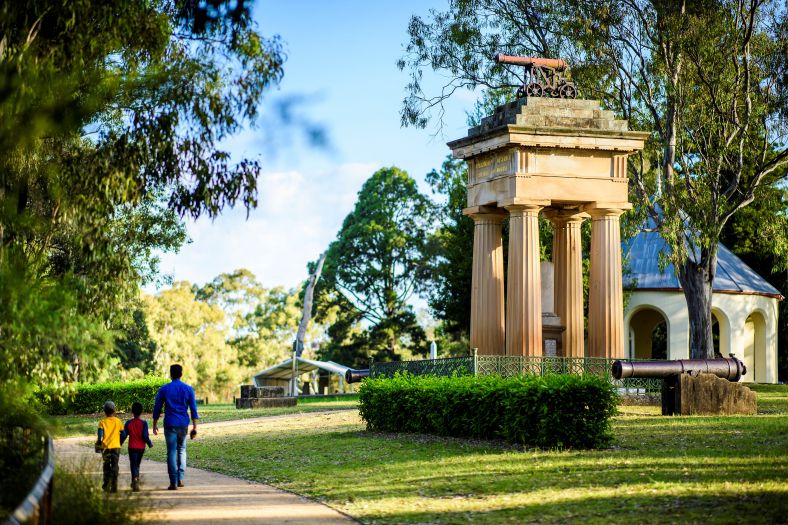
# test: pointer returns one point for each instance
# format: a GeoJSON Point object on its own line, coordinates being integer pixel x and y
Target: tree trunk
{"type": "Point", "coordinates": [696, 280]}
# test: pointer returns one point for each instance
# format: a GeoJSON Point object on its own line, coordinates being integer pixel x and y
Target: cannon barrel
{"type": "Point", "coordinates": [556, 63]}
{"type": "Point", "coordinates": [727, 368]}
{"type": "Point", "coordinates": [355, 376]}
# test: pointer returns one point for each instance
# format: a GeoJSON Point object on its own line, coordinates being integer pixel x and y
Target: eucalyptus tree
{"type": "Point", "coordinates": [108, 110]}
{"type": "Point", "coordinates": [706, 78]}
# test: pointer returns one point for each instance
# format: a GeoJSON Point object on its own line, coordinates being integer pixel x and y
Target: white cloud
{"type": "Point", "coordinates": [297, 217]}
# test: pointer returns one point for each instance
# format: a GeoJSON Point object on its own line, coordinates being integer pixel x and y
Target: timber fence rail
{"type": "Point", "coordinates": [36, 507]}
{"type": "Point", "coordinates": [508, 366]}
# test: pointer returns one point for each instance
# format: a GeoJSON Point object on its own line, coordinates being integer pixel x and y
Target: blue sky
{"type": "Point", "coordinates": [341, 57]}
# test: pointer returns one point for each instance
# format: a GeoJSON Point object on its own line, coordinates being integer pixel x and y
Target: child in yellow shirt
{"type": "Point", "coordinates": [110, 431]}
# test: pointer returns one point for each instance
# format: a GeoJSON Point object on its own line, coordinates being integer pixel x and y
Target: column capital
{"type": "Point", "coordinates": [521, 210]}
{"type": "Point", "coordinates": [485, 214]}
{"type": "Point", "coordinates": [606, 209]}
{"type": "Point", "coordinates": [519, 201]}
{"type": "Point", "coordinates": [562, 217]}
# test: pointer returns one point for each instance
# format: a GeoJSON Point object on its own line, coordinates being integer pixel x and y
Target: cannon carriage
{"type": "Point", "coordinates": [543, 77]}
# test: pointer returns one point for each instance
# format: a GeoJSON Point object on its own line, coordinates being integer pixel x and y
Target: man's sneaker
{"type": "Point", "coordinates": [171, 487]}
{"type": "Point", "coordinates": [180, 484]}
{"type": "Point", "coordinates": [135, 485]}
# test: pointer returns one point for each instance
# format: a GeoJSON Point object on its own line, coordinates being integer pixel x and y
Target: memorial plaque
{"type": "Point", "coordinates": [550, 348]}
{"type": "Point", "coordinates": [492, 165]}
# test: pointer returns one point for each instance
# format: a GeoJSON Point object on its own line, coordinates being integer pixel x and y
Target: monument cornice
{"type": "Point", "coordinates": [544, 137]}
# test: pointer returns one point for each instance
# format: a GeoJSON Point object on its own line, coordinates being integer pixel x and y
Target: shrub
{"type": "Point", "coordinates": [89, 398]}
{"type": "Point", "coordinates": [556, 411]}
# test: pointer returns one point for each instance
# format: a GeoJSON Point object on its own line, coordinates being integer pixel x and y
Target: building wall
{"type": "Point", "coordinates": [748, 327]}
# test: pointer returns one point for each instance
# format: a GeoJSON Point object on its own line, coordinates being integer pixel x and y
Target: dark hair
{"type": "Point", "coordinates": [136, 408]}
{"type": "Point", "coordinates": [108, 411]}
{"type": "Point", "coordinates": [176, 371]}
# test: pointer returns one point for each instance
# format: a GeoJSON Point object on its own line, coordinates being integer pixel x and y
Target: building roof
{"type": "Point", "coordinates": [642, 255]}
{"type": "Point", "coordinates": [284, 370]}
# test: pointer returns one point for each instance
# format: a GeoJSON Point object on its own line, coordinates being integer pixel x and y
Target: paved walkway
{"type": "Point", "coordinates": [208, 498]}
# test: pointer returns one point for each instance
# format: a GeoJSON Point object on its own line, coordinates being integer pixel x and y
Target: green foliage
{"type": "Point", "coordinates": [558, 411]}
{"type": "Point", "coordinates": [192, 333]}
{"type": "Point", "coordinates": [262, 321]}
{"type": "Point", "coordinates": [759, 235]}
{"type": "Point", "coordinates": [109, 133]}
{"type": "Point", "coordinates": [377, 262]}
{"type": "Point", "coordinates": [22, 447]}
{"type": "Point", "coordinates": [706, 79]}
{"type": "Point", "coordinates": [134, 344]}
{"type": "Point", "coordinates": [89, 398]}
{"type": "Point", "coordinates": [78, 499]}
{"type": "Point", "coordinates": [452, 246]}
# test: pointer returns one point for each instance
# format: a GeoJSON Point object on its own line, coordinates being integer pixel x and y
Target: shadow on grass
{"type": "Point", "coordinates": [765, 507]}
{"type": "Point", "coordinates": [656, 465]}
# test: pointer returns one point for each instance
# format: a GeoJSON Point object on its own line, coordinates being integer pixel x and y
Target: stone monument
{"type": "Point", "coordinates": [565, 158]}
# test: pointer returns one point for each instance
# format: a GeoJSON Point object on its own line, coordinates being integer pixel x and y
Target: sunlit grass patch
{"type": "Point", "coordinates": [658, 470]}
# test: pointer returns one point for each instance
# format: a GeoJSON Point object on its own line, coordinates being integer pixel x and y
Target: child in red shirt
{"type": "Point", "coordinates": [137, 431]}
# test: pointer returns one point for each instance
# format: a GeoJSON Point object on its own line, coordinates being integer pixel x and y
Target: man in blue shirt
{"type": "Point", "coordinates": [177, 398]}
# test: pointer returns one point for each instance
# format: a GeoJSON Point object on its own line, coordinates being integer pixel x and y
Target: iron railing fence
{"type": "Point", "coordinates": [508, 366]}
{"type": "Point", "coordinates": [445, 366]}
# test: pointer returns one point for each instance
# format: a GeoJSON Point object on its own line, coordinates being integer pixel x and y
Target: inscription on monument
{"type": "Point", "coordinates": [493, 164]}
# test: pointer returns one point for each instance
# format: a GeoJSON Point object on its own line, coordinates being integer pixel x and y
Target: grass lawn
{"type": "Point", "coordinates": [659, 470]}
{"type": "Point", "coordinates": [68, 426]}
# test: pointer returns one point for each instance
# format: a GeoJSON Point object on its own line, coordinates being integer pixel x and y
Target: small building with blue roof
{"type": "Point", "coordinates": [656, 320]}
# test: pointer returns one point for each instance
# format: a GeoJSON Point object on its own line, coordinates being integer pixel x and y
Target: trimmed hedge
{"type": "Point", "coordinates": [89, 398]}
{"type": "Point", "coordinates": [556, 411]}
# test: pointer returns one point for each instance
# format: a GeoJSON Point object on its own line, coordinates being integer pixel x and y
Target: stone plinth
{"type": "Point", "coordinates": [265, 402]}
{"type": "Point", "coordinates": [709, 395]}
{"type": "Point", "coordinates": [263, 397]}
{"type": "Point", "coordinates": [252, 391]}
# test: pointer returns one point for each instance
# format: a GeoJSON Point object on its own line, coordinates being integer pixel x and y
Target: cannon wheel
{"type": "Point", "coordinates": [534, 90]}
{"type": "Point", "coordinates": [568, 91]}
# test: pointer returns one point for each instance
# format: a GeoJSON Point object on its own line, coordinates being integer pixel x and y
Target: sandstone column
{"type": "Point", "coordinates": [568, 265]}
{"type": "Point", "coordinates": [606, 302]}
{"type": "Point", "coordinates": [524, 286]}
{"type": "Point", "coordinates": [487, 315]}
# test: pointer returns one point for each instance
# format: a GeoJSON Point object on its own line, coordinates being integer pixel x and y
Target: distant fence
{"type": "Point", "coordinates": [507, 366]}
{"type": "Point", "coordinates": [36, 508]}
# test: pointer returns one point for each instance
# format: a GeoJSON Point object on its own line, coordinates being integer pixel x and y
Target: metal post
{"type": "Point", "coordinates": [475, 355]}
{"type": "Point", "coordinates": [294, 391]}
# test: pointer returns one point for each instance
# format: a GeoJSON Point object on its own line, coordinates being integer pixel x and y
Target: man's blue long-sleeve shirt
{"type": "Point", "coordinates": [177, 398]}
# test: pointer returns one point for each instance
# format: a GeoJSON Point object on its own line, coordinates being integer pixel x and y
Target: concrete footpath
{"type": "Point", "coordinates": [207, 498]}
